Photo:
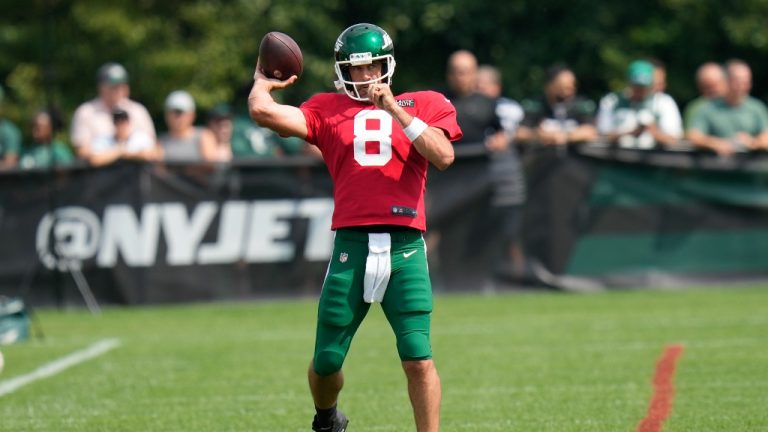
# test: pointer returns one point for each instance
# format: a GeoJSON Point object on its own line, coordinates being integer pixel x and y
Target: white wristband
{"type": "Point", "coordinates": [415, 129]}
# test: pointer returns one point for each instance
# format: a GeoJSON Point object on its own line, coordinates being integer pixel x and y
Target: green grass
{"type": "Point", "coordinates": [512, 362]}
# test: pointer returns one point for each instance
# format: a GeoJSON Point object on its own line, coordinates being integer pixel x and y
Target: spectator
{"type": "Point", "coordinates": [664, 99]}
{"type": "Point", "coordinates": [220, 124]}
{"type": "Point", "coordinates": [184, 142]}
{"type": "Point", "coordinates": [561, 116]}
{"type": "Point", "coordinates": [10, 140]}
{"type": "Point", "coordinates": [93, 120]}
{"type": "Point", "coordinates": [476, 112]}
{"type": "Point", "coordinates": [127, 142]}
{"type": "Point", "coordinates": [638, 117]}
{"type": "Point", "coordinates": [712, 84]}
{"type": "Point", "coordinates": [509, 112]}
{"type": "Point", "coordinates": [506, 170]}
{"type": "Point", "coordinates": [736, 122]}
{"type": "Point", "coordinates": [45, 151]}
{"type": "Point", "coordinates": [659, 75]}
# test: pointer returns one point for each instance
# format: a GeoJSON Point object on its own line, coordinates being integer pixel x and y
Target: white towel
{"type": "Point", "coordinates": [378, 267]}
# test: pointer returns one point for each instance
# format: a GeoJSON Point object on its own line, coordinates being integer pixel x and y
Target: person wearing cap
{"type": "Point", "coordinates": [185, 142]}
{"type": "Point", "coordinates": [220, 124]}
{"type": "Point", "coordinates": [10, 140]}
{"type": "Point", "coordinates": [93, 119]}
{"type": "Point", "coordinates": [127, 143]}
{"type": "Point", "coordinates": [638, 116]}
{"type": "Point", "coordinates": [734, 122]}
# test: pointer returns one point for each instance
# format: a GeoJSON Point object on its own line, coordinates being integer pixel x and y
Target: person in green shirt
{"type": "Point", "coordinates": [45, 151]}
{"type": "Point", "coordinates": [736, 122]}
{"type": "Point", "coordinates": [10, 140]}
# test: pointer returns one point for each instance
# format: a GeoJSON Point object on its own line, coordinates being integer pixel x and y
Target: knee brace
{"type": "Point", "coordinates": [414, 346]}
{"type": "Point", "coordinates": [327, 361]}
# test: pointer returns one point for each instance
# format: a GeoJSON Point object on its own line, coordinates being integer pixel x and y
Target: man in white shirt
{"type": "Point", "coordinates": [639, 116]}
{"type": "Point", "coordinates": [93, 119]}
{"type": "Point", "coordinates": [126, 143]}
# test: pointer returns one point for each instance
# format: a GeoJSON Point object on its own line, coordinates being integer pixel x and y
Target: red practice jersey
{"type": "Point", "coordinates": [379, 177]}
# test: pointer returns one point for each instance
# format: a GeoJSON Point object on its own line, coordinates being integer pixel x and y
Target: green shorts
{"type": "Point", "coordinates": [407, 303]}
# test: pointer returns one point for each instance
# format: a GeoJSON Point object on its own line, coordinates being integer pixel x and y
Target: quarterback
{"type": "Point", "coordinates": [377, 148]}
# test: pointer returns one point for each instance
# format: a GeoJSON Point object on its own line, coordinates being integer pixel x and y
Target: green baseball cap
{"type": "Point", "coordinates": [640, 73]}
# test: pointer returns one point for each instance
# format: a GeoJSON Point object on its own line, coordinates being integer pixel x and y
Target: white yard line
{"type": "Point", "coordinates": [47, 370]}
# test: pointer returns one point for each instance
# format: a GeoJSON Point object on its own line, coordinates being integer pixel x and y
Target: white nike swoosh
{"type": "Point", "coordinates": [407, 254]}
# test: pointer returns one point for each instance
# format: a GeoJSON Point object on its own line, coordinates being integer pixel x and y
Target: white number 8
{"type": "Point", "coordinates": [382, 135]}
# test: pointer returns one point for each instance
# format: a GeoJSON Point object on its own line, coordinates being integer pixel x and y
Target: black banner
{"type": "Point", "coordinates": [150, 233]}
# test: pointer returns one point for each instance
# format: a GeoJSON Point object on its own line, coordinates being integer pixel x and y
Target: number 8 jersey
{"type": "Point", "coordinates": [379, 177]}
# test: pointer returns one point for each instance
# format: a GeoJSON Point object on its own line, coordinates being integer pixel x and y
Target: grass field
{"type": "Point", "coordinates": [512, 362]}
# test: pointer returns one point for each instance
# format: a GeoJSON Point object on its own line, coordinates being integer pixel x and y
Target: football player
{"type": "Point", "coordinates": [377, 148]}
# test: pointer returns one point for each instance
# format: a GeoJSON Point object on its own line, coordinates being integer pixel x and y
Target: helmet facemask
{"type": "Point", "coordinates": [351, 87]}
{"type": "Point", "coordinates": [362, 44]}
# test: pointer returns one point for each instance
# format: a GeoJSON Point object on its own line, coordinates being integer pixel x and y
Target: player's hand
{"type": "Point", "coordinates": [381, 96]}
{"type": "Point", "coordinates": [271, 83]}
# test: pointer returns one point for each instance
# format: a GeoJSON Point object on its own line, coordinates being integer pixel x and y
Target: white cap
{"type": "Point", "coordinates": [180, 100]}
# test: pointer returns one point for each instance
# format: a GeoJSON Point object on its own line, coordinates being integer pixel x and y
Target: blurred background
{"type": "Point", "coordinates": [50, 49]}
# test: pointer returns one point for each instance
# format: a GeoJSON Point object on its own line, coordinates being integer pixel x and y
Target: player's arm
{"type": "Point", "coordinates": [431, 143]}
{"type": "Point", "coordinates": [286, 120]}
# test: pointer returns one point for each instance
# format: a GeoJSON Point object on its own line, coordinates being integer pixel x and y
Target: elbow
{"type": "Point", "coordinates": [258, 113]}
{"type": "Point", "coordinates": [445, 161]}
{"type": "Point", "coordinates": [260, 110]}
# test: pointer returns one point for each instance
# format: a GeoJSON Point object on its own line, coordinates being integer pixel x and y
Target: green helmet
{"type": "Point", "coordinates": [358, 45]}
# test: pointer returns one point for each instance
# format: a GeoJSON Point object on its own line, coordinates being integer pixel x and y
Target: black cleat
{"type": "Point", "coordinates": [339, 424]}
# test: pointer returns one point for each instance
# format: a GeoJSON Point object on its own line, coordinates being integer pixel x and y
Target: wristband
{"type": "Point", "coordinates": [415, 129]}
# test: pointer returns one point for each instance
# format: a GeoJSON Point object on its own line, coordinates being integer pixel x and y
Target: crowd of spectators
{"type": "Point", "coordinates": [112, 127]}
{"type": "Point", "coordinates": [723, 119]}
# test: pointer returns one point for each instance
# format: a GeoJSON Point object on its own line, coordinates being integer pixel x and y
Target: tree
{"type": "Point", "coordinates": [50, 49]}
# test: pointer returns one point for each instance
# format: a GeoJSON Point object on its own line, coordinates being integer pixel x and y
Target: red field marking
{"type": "Point", "coordinates": [663, 391]}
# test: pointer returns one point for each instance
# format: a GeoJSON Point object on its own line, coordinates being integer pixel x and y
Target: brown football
{"type": "Point", "coordinates": [280, 56]}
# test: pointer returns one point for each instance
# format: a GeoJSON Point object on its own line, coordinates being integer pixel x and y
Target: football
{"type": "Point", "coordinates": [280, 56]}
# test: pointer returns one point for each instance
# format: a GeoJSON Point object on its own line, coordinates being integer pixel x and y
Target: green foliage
{"type": "Point", "coordinates": [50, 49]}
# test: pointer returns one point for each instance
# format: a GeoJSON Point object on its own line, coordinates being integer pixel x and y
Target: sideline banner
{"type": "Point", "coordinates": [149, 233]}
{"type": "Point", "coordinates": [146, 233]}
{"type": "Point", "coordinates": [638, 218]}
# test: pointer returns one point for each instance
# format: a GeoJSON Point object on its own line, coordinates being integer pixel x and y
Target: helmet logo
{"type": "Point", "coordinates": [356, 59]}
{"type": "Point", "coordinates": [387, 41]}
